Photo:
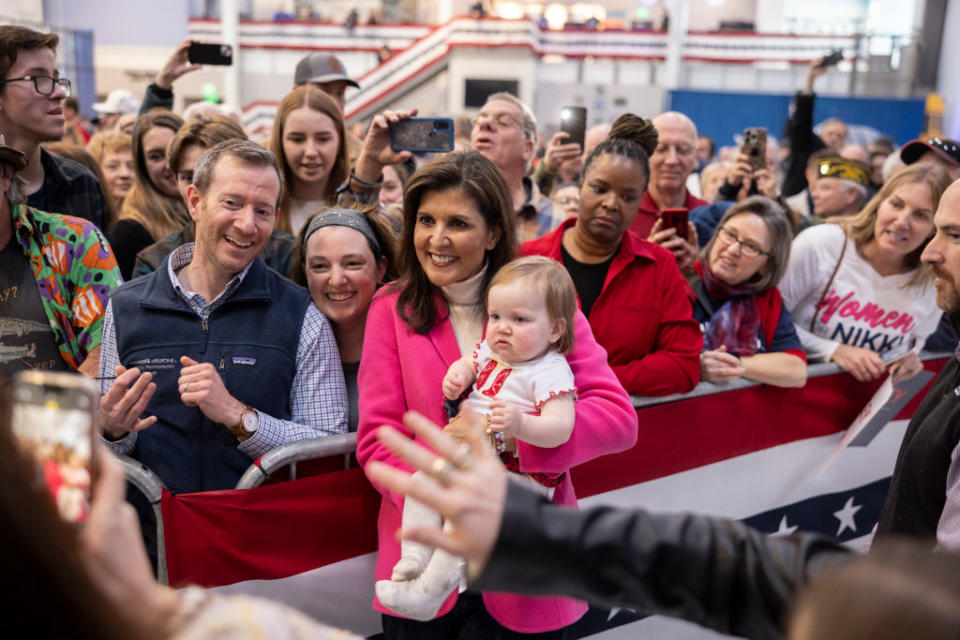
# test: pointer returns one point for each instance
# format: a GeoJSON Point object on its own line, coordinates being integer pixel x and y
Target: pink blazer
{"type": "Point", "coordinates": [402, 370]}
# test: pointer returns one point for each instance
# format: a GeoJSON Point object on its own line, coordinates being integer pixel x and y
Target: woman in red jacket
{"type": "Point", "coordinates": [631, 291]}
{"type": "Point", "coordinates": [458, 230]}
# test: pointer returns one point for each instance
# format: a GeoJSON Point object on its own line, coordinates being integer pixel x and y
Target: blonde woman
{"type": "Point", "coordinates": [855, 286]}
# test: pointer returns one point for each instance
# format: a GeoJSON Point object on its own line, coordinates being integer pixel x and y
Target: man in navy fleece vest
{"type": "Point", "coordinates": [227, 358]}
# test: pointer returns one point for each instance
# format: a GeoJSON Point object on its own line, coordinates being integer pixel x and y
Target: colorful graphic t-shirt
{"type": "Point", "coordinates": [74, 270]}
{"type": "Point", "coordinates": [26, 341]}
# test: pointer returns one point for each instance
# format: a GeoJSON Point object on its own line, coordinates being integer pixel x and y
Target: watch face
{"type": "Point", "coordinates": [250, 421]}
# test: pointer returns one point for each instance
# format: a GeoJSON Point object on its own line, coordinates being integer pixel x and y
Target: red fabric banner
{"type": "Point", "coordinates": [273, 531]}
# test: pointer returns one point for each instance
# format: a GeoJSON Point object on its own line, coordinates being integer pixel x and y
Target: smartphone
{"type": "Point", "coordinates": [54, 415]}
{"type": "Point", "coordinates": [573, 121]}
{"type": "Point", "coordinates": [210, 53]}
{"type": "Point", "coordinates": [755, 146]}
{"type": "Point", "coordinates": [676, 219]}
{"type": "Point", "coordinates": [424, 135]}
{"type": "Point", "coordinates": [831, 58]}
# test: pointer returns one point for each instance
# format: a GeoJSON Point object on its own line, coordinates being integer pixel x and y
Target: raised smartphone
{"type": "Point", "coordinates": [831, 58]}
{"type": "Point", "coordinates": [755, 146]}
{"type": "Point", "coordinates": [210, 53]}
{"type": "Point", "coordinates": [573, 121]}
{"type": "Point", "coordinates": [53, 423]}
{"type": "Point", "coordinates": [422, 135]}
{"type": "Point", "coordinates": [675, 219]}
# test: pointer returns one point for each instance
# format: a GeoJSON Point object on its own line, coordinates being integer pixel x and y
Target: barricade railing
{"type": "Point", "coordinates": [344, 445]}
{"type": "Point", "coordinates": [290, 454]}
{"type": "Point", "coordinates": [150, 485]}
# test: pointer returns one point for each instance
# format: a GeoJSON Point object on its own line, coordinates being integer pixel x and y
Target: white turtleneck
{"type": "Point", "coordinates": [466, 310]}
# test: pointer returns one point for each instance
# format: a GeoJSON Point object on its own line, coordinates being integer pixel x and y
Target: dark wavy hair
{"type": "Point", "coordinates": [480, 180]}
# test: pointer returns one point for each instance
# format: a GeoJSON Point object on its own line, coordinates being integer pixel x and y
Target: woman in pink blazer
{"type": "Point", "coordinates": [459, 229]}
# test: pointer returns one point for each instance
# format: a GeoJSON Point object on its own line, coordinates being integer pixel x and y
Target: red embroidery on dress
{"type": "Point", "coordinates": [487, 370]}
{"type": "Point", "coordinates": [497, 383]}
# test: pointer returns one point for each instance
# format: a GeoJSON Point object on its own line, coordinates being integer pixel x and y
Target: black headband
{"type": "Point", "coordinates": [350, 218]}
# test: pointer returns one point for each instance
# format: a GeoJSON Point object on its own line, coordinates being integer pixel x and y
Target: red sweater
{"type": "Point", "coordinates": [643, 316]}
{"type": "Point", "coordinates": [648, 213]}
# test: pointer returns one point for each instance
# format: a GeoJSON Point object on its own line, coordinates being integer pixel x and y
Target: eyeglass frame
{"type": "Point", "coordinates": [512, 120]}
{"type": "Point", "coordinates": [54, 82]}
{"type": "Point", "coordinates": [744, 246]}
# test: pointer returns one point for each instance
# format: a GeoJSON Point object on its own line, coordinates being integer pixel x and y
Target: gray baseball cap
{"type": "Point", "coordinates": [321, 67]}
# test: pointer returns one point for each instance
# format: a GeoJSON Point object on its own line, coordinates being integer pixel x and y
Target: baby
{"type": "Point", "coordinates": [523, 385]}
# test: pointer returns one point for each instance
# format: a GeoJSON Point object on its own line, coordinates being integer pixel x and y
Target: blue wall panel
{"type": "Point", "coordinates": [722, 115]}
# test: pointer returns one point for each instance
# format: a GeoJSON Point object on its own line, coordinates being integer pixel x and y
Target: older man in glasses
{"type": "Point", "coordinates": [31, 112]}
{"type": "Point", "coordinates": [505, 132]}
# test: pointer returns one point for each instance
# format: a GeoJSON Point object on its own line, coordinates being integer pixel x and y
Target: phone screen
{"type": "Point", "coordinates": [677, 219]}
{"type": "Point", "coordinates": [429, 135]}
{"type": "Point", "coordinates": [210, 53]}
{"type": "Point", "coordinates": [573, 120]}
{"type": "Point", "coordinates": [53, 424]}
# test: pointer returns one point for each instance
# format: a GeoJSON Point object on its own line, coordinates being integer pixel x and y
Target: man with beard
{"type": "Point", "coordinates": [924, 497]}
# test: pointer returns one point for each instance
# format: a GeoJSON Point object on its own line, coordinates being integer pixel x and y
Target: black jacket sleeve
{"type": "Point", "coordinates": [156, 98]}
{"type": "Point", "coordinates": [714, 572]}
{"type": "Point", "coordinates": [803, 142]}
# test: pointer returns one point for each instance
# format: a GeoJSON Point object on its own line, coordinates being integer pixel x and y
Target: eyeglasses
{"type": "Point", "coordinates": [44, 84]}
{"type": "Point", "coordinates": [749, 249]}
{"type": "Point", "coordinates": [501, 119]}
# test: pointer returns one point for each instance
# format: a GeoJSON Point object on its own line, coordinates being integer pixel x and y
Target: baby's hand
{"type": "Point", "coordinates": [456, 382]}
{"type": "Point", "coordinates": [505, 417]}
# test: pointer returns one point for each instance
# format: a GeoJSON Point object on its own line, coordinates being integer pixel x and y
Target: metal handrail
{"type": "Point", "coordinates": [290, 454]}
{"type": "Point", "coordinates": [150, 485]}
{"type": "Point", "coordinates": [709, 388]}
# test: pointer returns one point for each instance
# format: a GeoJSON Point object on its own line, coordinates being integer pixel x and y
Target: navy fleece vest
{"type": "Point", "coordinates": [251, 338]}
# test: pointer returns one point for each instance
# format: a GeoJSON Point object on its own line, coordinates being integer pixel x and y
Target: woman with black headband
{"type": "Point", "coordinates": [344, 255]}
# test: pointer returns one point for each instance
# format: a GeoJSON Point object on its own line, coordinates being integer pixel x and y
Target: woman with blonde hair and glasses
{"type": "Point", "coordinates": [153, 208]}
{"type": "Point", "coordinates": [855, 286]}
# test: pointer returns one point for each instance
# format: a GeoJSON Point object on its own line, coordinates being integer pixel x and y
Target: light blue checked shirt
{"type": "Point", "coordinates": [318, 398]}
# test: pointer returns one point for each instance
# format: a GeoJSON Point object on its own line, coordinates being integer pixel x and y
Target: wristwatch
{"type": "Point", "coordinates": [249, 421]}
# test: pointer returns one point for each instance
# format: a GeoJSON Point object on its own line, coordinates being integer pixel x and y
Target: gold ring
{"type": "Point", "coordinates": [186, 387]}
{"type": "Point", "coordinates": [440, 470]}
{"type": "Point", "coordinates": [462, 459]}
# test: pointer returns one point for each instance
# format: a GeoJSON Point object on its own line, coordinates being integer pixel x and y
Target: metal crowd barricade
{"type": "Point", "coordinates": [290, 454]}
{"type": "Point", "coordinates": [150, 485]}
{"type": "Point", "coordinates": [344, 445]}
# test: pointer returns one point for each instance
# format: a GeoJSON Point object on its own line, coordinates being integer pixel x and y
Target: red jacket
{"type": "Point", "coordinates": [643, 316]}
{"type": "Point", "coordinates": [648, 213]}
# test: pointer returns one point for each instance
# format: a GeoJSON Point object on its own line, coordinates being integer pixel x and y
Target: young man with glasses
{"type": "Point", "coordinates": [505, 132]}
{"type": "Point", "coordinates": [31, 112]}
